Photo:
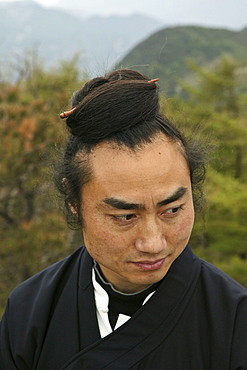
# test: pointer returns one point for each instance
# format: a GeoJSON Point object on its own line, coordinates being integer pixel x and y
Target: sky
{"type": "Point", "coordinates": [230, 14]}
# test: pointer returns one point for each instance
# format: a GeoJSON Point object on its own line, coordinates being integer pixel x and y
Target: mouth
{"type": "Point", "coordinates": [149, 265]}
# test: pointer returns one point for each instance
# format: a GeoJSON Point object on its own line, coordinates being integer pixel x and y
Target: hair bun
{"type": "Point", "coordinates": [109, 105]}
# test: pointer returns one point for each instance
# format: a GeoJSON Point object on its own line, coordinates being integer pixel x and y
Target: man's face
{"type": "Point", "coordinates": [137, 211]}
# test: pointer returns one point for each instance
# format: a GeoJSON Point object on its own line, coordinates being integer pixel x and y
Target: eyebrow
{"type": "Point", "coordinates": [122, 204]}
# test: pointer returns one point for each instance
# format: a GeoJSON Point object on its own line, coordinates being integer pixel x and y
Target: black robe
{"type": "Point", "coordinates": [197, 319]}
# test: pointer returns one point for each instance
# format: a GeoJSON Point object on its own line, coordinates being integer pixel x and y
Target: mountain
{"type": "Point", "coordinates": [137, 41]}
{"type": "Point", "coordinates": [164, 54]}
{"type": "Point", "coordinates": [58, 35]}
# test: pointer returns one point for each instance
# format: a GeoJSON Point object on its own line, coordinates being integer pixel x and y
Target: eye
{"type": "Point", "coordinates": [124, 218]}
{"type": "Point", "coordinates": [171, 212]}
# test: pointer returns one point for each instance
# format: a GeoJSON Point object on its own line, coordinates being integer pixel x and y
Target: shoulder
{"type": "Point", "coordinates": [41, 287]}
{"type": "Point", "coordinates": [218, 284]}
{"type": "Point", "coordinates": [31, 305]}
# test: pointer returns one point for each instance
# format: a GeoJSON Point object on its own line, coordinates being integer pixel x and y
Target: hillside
{"type": "Point", "coordinates": [58, 35]}
{"type": "Point", "coordinates": [164, 54]}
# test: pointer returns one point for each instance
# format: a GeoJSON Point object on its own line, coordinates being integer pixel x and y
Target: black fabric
{"type": "Point", "coordinates": [196, 319]}
{"type": "Point", "coordinates": [126, 304]}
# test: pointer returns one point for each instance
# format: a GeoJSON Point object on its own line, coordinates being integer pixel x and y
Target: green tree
{"type": "Point", "coordinates": [218, 100]}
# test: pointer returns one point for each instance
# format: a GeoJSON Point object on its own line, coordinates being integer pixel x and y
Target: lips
{"type": "Point", "coordinates": [150, 265]}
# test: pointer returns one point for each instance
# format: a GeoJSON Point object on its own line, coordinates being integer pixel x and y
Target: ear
{"type": "Point", "coordinates": [73, 207]}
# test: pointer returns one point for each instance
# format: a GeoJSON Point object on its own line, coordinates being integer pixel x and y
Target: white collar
{"type": "Point", "coordinates": [102, 303]}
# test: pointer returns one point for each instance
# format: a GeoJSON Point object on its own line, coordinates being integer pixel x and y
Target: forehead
{"type": "Point", "coordinates": [155, 167]}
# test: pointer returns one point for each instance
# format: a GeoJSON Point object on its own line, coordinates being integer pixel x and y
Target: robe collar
{"type": "Point", "coordinates": [150, 325]}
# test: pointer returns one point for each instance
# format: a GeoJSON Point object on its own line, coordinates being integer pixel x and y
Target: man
{"type": "Point", "coordinates": [135, 297]}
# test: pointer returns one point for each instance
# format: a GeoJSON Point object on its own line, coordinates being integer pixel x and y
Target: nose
{"type": "Point", "coordinates": [151, 238]}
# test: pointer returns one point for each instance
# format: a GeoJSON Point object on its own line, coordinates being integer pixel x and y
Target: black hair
{"type": "Point", "coordinates": [122, 108]}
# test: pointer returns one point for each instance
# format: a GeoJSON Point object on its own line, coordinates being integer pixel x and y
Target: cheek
{"type": "Point", "coordinates": [102, 242]}
{"type": "Point", "coordinates": [183, 229]}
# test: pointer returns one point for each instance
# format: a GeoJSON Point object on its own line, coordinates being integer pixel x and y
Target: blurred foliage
{"type": "Point", "coordinates": [33, 231]}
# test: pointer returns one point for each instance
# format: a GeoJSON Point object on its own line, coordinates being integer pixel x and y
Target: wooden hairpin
{"type": "Point", "coordinates": [66, 114]}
